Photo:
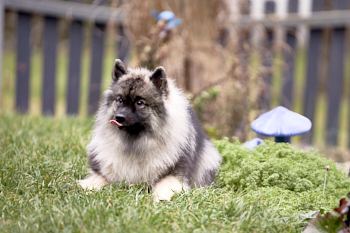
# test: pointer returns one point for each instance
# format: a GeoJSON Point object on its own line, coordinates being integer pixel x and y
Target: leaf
{"type": "Point", "coordinates": [343, 210]}
{"type": "Point", "coordinates": [326, 223]}
{"type": "Point", "coordinates": [322, 210]}
{"type": "Point", "coordinates": [330, 222]}
{"type": "Point", "coordinates": [342, 206]}
{"type": "Point", "coordinates": [308, 216]}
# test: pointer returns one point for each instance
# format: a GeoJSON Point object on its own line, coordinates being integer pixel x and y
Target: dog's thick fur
{"type": "Point", "coordinates": [156, 137]}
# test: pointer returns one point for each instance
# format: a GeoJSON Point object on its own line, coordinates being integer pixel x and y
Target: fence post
{"type": "Point", "coordinates": [267, 54]}
{"type": "Point", "coordinates": [335, 77]}
{"type": "Point", "coordinates": [75, 50]}
{"type": "Point", "coordinates": [288, 71]}
{"type": "Point", "coordinates": [335, 84]}
{"type": "Point", "coordinates": [98, 37]}
{"type": "Point", "coordinates": [267, 63]}
{"type": "Point", "coordinates": [293, 6]}
{"type": "Point", "coordinates": [96, 67]}
{"type": "Point", "coordinates": [23, 61]}
{"type": "Point", "coordinates": [74, 70]}
{"type": "Point", "coordinates": [2, 19]}
{"type": "Point", "coordinates": [50, 54]}
{"type": "Point", "coordinates": [289, 64]}
{"type": "Point", "coordinates": [312, 80]}
{"type": "Point", "coordinates": [123, 45]}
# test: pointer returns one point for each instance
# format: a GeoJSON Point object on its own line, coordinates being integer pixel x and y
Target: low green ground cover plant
{"type": "Point", "coordinates": [278, 165]}
{"type": "Point", "coordinates": [260, 191]}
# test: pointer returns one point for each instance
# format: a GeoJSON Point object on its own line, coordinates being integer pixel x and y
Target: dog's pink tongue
{"type": "Point", "coordinates": [114, 122]}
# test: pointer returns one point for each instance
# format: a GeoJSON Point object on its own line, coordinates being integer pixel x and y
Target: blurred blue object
{"type": "Point", "coordinates": [253, 143]}
{"type": "Point", "coordinates": [169, 17]}
{"type": "Point", "coordinates": [281, 123]}
{"type": "Point", "coordinates": [174, 23]}
{"type": "Point", "coordinates": [166, 15]}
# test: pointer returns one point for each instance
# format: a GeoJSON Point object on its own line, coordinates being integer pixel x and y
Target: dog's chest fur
{"type": "Point", "coordinates": [118, 163]}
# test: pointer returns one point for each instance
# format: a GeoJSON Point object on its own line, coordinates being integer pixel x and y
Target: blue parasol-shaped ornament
{"type": "Point", "coordinates": [252, 144]}
{"type": "Point", "coordinates": [281, 123]}
{"type": "Point", "coordinates": [169, 17]}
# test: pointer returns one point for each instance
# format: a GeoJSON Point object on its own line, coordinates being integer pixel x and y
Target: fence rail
{"type": "Point", "coordinates": [69, 10]}
{"type": "Point", "coordinates": [334, 18]}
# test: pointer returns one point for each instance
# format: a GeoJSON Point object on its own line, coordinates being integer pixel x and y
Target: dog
{"type": "Point", "coordinates": [146, 131]}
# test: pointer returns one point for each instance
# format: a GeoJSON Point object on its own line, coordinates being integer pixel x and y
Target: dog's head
{"type": "Point", "coordinates": [135, 99]}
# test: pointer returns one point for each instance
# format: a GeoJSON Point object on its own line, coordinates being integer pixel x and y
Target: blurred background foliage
{"type": "Point", "coordinates": [207, 55]}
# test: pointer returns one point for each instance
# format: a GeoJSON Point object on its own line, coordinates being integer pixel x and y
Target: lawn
{"type": "Point", "coordinates": [42, 157]}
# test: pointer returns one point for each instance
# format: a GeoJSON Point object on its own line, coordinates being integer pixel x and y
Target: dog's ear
{"type": "Point", "coordinates": [159, 79]}
{"type": "Point", "coordinates": [118, 69]}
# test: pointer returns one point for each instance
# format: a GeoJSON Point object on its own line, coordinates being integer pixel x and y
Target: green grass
{"type": "Point", "coordinates": [41, 158]}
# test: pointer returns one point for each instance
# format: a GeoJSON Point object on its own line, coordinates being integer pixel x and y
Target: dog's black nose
{"type": "Point", "coordinates": [120, 118]}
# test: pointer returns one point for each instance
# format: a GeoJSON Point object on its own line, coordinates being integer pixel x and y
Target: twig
{"type": "Point", "coordinates": [325, 178]}
{"type": "Point", "coordinates": [195, 95]}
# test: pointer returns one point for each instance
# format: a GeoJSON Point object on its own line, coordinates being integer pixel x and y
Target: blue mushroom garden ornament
{"type": "Point", "coordinates": [281, 123]}
{"type": "Point", "coordinates": [252, 144]}
{"type": "Point", "coordinates": [168, 17]}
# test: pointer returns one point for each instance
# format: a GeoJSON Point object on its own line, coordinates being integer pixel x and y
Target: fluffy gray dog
{"type": "Point", "coordinates": [146, 131]}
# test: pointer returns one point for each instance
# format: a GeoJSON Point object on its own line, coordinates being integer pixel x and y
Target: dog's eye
{"type": "Point", "coordinates": [120, 100]}
{"type": "Point", "coordinates": [140, 103]}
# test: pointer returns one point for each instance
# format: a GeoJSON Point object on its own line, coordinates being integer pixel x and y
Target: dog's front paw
{"type": "Point", "coordinates": [167, 187]}
{"type": "Point", "coordinates": [163, 196]}
{"type": "Point", "coordinates": [94, 181]}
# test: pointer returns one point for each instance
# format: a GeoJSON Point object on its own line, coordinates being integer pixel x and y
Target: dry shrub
{"type": "Point", "coordinates": [207, 55]}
